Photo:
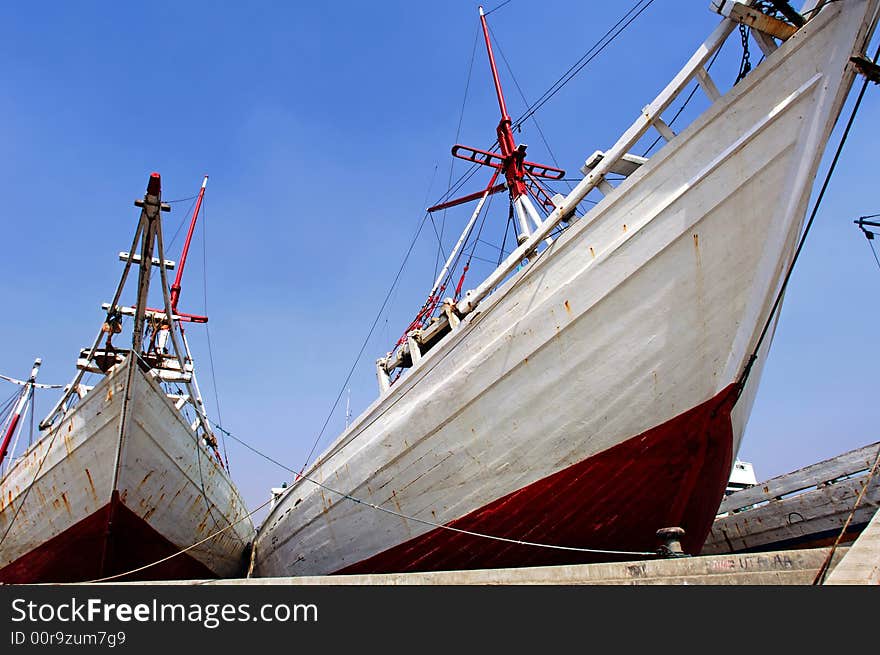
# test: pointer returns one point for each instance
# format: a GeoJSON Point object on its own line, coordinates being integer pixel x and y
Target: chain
{"type": "Point", "coordinates": [745, 66]}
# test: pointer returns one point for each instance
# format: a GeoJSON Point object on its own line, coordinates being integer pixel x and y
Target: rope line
{"type": "Point", "coordinates": [823, 570]}
{"type": "Point", "coordinates": [431, 524]}
{"type": "Point", "coordinates": [180, 552]}
{"type": "Point", "coordinates": [874, 252]}
{"type": "Point", "coordinates": [492, 11]}
{"type": "Point", "coordinates": [366, 340]}
{"type": "Point", "coordinates": [754, 356]}
{"type": "Point", "coordinates": [585, 59]}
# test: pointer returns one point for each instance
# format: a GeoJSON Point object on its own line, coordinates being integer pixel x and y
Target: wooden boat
{"type": "Point", "coordinates": [127, 471]}
{"type": "Point", "coordinates": [594, 388]}
{"type": "Point", "coordinates": [807, 508]}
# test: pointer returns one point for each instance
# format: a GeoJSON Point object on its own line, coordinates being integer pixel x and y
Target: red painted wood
{"type": "Point", "coordinates": [75, 555]}
{"type": "Point", "coordinates": [672, 475]}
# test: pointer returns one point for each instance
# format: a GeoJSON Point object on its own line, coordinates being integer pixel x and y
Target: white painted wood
{"type": "Point", "coordinates": [135, 258]}
{"type": "Point", "coordinates": [664, 130]}
{"type": "Point", "coordinates": [708, 85]}
{"type": "Point", "coordinates": [164, 476]}
{"type": "Point", "coordinates": [646, 308]}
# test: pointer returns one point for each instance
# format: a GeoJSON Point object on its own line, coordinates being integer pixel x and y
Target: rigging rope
{"type": "Point", "coordinates": [874, 252]}
{"type": "Point", "coordinates": [869, 236]}
{"type": "Point", "coordinates": [823, 569]}
{"type": "Point", "coordinates": [467, 86]}
{"type": "Point", "coordinates": [492, 11]}
{"type": "Point", "coordinates": [366, 340]}
{"type": "Point", "coordinates": [685, 103]}
{"type": "Point", "coordinates": [754, 356]}
{"type": "Point", "coordinates": [585, 59]}
{"type": "Point", "coordinates": [179, 552]}
{"type": "Point", "coordinates": [431, 524]}
{"type": "Point", "coordinates": [207, 329]}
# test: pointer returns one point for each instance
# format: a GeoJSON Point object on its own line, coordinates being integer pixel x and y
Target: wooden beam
{"type": "Point", "coordinates": [848, 463]}
{"type": "Point", "coordinates": [740, 13]}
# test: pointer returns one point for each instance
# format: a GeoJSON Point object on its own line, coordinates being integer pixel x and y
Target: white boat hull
{"type": "Point", "coordinates": [120, 484]}
{"type": "Point", "coordinates": [593, 398]}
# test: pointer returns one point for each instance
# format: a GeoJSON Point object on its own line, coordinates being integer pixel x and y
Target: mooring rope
{"type": "Point", "coordinates": [180, 552]}
{"type": "Point", "coordinates": [415, 519]}
{"type": "Point", "coordinates": [823, 570]}
{"type": "Point", "coordinates": [777, 302]}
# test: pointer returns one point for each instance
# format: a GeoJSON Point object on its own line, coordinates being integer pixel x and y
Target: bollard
{"type": "Point", "coordinates": [671, 542]}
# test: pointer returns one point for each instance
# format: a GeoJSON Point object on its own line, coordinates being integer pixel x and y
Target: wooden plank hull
{"type": "Point", "coordinates": [554, 413]}
{"type": "Point", "coordinates": [95, 498]}
{"type": "Point", "coordinates": [807, 508]}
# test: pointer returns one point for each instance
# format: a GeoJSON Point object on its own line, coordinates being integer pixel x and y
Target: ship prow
{"type": "Point", "coordinates": [126, 481]}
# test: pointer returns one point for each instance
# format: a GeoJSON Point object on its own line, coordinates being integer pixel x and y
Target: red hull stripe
{"type": "Point", "coordinates": [672, 475]}
{"type": "Point", "coordinates": [76, 554]}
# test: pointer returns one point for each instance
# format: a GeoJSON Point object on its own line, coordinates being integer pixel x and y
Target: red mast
{"type": "Point", "coordinates": [511, 161]}
{"type": "Point", "coordinates": [19, 408]}
{"type": "Point", "coordinates": [175, 288]}
{"type": "Point", "coordinates": [513, 168]}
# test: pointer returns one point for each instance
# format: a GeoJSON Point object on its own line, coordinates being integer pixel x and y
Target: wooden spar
{"type": "Point", "coordinates": [149, 220]}
{"type": "Point", "coordinates": [464, 233]}
{"type": "Point", "coordinates": [23, 399]}
{"type": "Point", "coordinates": [75, 385]}
{"type": "Point", "coordinates": [183, 354]}
{"type": "Point", "coordinates": [175, 288]}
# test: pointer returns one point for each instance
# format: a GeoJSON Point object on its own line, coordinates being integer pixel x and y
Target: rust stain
{"type": "Point", "coordinates": [592, 252]}
{"type": "Point", "coordinates": [624, 227]}
{"type": "Point", "coordinates": [567, 307]}
{"type": "Point", "coordinates": [696, 240]}
{"type": "Point", "coordinates": [109, 394]}
{"type": "Point", "coordinates": [92, 484]}
{"type": "Point", "coordinates": [67, 445]}
{"type": "Point", "coordinates": [396, 502]}
{"type": "Point", "coordinates": [146, 477]}
{"type": "Point", "coordinates": [66, 502]}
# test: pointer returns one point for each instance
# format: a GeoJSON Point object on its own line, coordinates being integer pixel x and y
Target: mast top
{"type": "Point", "coordinates": [154, 186]}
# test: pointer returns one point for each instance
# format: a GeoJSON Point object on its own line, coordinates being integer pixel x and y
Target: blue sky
{"type": "Point", "coordinates": [325, 129]}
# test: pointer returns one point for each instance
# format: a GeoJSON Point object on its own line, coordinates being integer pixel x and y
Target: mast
{"type": "Point", "coordinates": [510, 161]}
{"type": "Point", "coordinates": [19, 408]}
{"type": "Point", "coordinates": [513, 166]}
{"type": "Point", "coordinates": [149, 223]}
{"type": "Point", "coordinates": [175, 288]}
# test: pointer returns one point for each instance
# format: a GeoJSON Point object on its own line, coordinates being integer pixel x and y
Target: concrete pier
{"type": "Point", "coordinates": [787, 567]}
